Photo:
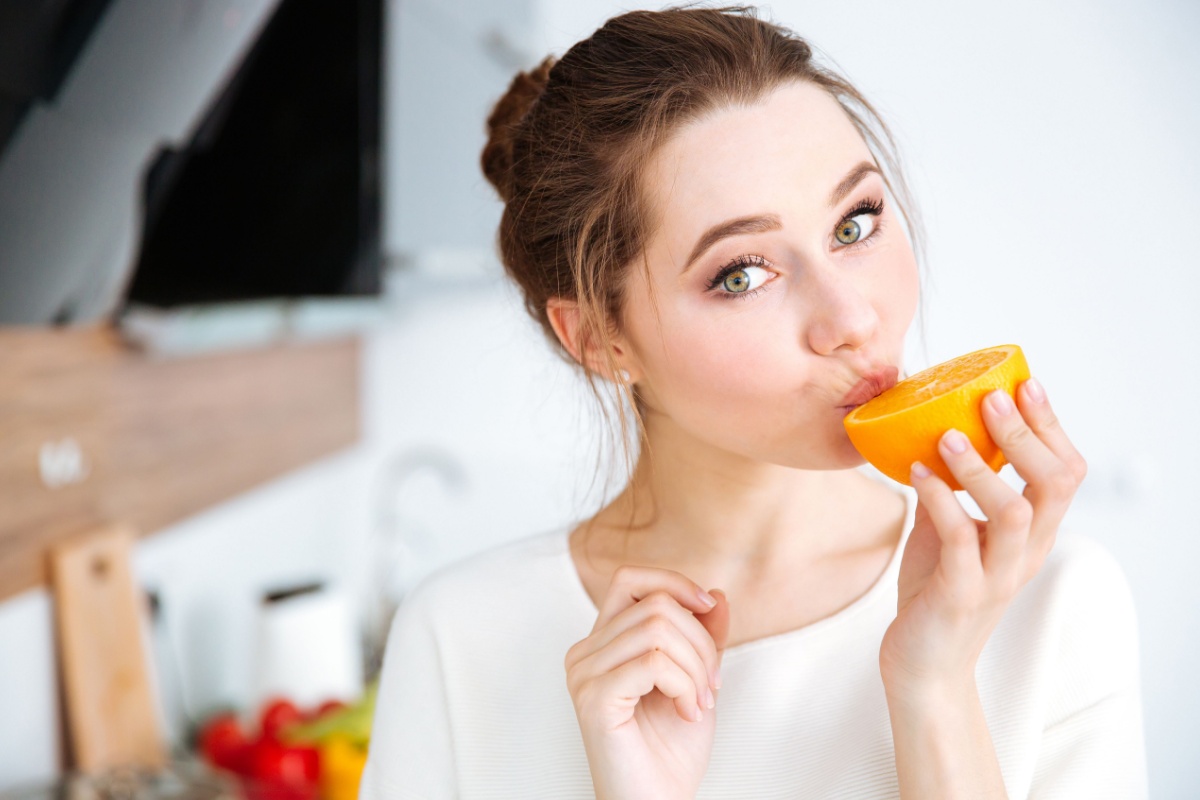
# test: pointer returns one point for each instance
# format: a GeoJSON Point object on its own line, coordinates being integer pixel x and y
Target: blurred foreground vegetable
{"type": "Point", "coordinates": [296, 756]}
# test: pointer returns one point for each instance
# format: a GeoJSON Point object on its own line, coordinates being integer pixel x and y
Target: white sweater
{"type": "Point", "coordinates": [473, 700]}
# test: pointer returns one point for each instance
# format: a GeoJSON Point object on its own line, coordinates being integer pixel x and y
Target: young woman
{"type": "Point", "coordinates": [705, 219]}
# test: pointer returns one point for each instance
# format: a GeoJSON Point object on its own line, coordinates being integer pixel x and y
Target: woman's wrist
{"type": "Point", "coordinates": [913, 701]}
{"type": "Point", "coordinates": [919, 687]}
{"type": "Point", "coordinates": [929, 695]}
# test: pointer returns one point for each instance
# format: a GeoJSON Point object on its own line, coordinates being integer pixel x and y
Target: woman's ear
{"type": "Point", "coordinates": [564, 318]}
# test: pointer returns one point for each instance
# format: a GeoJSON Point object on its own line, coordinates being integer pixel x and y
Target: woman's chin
{"type": "Point", "coordinates": [839, 455]}
{"type": "Point", "coordinates": [848, 454]}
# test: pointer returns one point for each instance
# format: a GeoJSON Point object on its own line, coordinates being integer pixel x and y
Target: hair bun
{"type": "Point", "coordinates": [506, 117]}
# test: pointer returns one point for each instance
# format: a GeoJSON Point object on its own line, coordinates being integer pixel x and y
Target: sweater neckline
{"type": "Point", "coordinates": [881, 588]}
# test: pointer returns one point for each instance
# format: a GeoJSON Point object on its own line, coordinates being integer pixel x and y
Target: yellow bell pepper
{"type": "Point", "coordinates": [342, 762]}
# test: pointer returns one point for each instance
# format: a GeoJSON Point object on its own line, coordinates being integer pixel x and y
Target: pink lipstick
{"type": "Point", "coordinates": [873, 384]}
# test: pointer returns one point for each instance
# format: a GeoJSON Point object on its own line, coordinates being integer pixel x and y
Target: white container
{"type": "Point", "coordinates": [308, 648]}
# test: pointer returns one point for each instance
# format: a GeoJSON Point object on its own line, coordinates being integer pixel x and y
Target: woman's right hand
{"type": "Point", "coordinates": [641, 679]}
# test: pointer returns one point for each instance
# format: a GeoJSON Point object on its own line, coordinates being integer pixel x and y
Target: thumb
{"type": "Point", "coordinates": [716, 622]}
{"type": "Point", "coordinates": [921, 515]}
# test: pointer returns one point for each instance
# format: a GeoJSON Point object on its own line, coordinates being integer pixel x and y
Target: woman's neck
{"type": "Point", "coordinates": [729, 519]}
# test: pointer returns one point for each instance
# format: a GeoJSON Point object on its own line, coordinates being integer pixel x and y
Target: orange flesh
{"type": "Point", "coordinates": [931, 383]}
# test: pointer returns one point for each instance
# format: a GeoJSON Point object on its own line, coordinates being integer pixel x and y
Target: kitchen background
{"type": "Point", "coordinates": [1052, 150]}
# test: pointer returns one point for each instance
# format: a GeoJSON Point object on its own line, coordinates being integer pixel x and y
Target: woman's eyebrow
{"type": "Point", "coordinates": [759, 223]}
{"type": "Point", "coordinates": [862, 170]}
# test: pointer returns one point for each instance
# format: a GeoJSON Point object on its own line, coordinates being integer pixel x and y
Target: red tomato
{"type": "Point", "coordinates": [223, 743]}
{"type": "Point", "coordinates": [292, 765]}
{"type": "Point", "coordinates": [256, 790]}
{"type": "Point", "coordinates": [277, 715]}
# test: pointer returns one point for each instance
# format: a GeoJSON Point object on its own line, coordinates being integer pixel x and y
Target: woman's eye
{"type": "Point", "coordinates": [743, 279]}
{"type": "Point", "coordinates": [855, 229]}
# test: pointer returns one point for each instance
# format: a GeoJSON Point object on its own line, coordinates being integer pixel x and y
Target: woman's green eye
{"type": "Point", "coordinates": [848, 231]}
{"type": "Point", "coordinates": [737, 282]}
{"type": "Point", "coordinates": [851, 230]}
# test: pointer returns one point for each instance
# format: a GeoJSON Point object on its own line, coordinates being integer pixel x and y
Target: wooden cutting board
{"type": "Point", "coordinates": [106, 691]}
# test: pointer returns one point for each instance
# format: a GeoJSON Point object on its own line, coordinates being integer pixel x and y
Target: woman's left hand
{"type": "Point", "coordinates": [959, 574]}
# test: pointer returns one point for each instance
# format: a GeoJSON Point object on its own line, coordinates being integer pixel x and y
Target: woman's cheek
{"type": "Point", "coordinates": [743, 360]}
{"type": "Point", "coordinates": [899, 301]}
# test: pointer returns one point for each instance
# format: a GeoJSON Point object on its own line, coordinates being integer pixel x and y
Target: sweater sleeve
{"type": "Point", "coordinates": [1093, 742]}
{"type": "Point", "coordinates": [411, 754]}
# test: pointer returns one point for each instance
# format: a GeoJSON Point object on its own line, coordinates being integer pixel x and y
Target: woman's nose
{"type": "Point", "coordinates": [841, 313]}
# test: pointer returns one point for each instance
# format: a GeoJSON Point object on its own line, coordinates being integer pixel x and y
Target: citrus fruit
{"type": "Point", "coordinates": [905, 423]}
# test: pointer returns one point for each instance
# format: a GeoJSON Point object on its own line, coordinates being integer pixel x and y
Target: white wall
{"type": "Point", "coordinates": [452, 60]}
{"type": "Point", "coordinates": [1048, 147]}
{"type": "Point", "coordinates": [1053, 151]}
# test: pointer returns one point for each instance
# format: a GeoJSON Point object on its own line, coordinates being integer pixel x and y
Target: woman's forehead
{"type": "Point", "coordinates": [790, 148]}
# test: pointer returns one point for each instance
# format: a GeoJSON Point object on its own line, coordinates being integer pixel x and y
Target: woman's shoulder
{"type": "Point", "coordinates": [1083, 572]}
{"type": "Point", "coordinates": [509, 574]}
{"type": "Point", "coordinates": [1075, 618]}
{"type": "Point", "coordinates": [1083, 591]}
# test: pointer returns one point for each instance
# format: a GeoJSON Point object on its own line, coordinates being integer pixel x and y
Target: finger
{"type": "Point", "coordinates": [1044, 457]}
{"type": "Point", "coordinates": [716, 622]}
{"type": "Point", "coordinates": [654, 633]}
{"type": "Point", "coordinates": [659, 604]}
{"type": "Point", "coordinates": [1048, 478]}
{"type": "Point", "coordinates": [1002, 554]}
{"type": "Point", "coordinates": [631, 584]}
{"type": "Point", "coordinates": [984, 485]}
{"type": "Point", "coordinates": [1041, 417]}
{"type": "Point", "coordinates": [959, 555]}
{"type": "Point", "coordinates": [1050, 497]}
{"type": "Point", "coordinates": [653, 670]}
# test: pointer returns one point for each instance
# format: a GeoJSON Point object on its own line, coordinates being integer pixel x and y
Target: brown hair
{"type": "Point", "coordinates": [569, 140]}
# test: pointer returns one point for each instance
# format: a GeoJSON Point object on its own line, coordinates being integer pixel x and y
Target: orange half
{"type": "Point", "coordinates": [905, 423]}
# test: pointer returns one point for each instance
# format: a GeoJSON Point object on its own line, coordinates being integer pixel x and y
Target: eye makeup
{"type": "Point", "coordinates": [869, 206]}
{"type": "Point", "coordinates": [737, 265]}
{"type": "Point", "coordinates": [865, 206]}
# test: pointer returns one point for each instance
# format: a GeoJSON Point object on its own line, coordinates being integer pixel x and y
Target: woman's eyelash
{"type": "Point", "coordinates": [741, 262]}
{"type": "Point", "coordinates": [865, 206]}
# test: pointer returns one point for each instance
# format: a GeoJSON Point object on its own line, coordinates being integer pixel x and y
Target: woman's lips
{"type": "Point", "coordinates": [873, 384]}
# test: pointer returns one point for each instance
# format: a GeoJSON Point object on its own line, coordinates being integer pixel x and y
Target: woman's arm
{"type": "Point", "coordinates": [943, 747]}
{"type": "Point", "coordinates": [957, 578]}
{"type": "Point", "coordinates": [1099, 751]}
{"type": "Point", "coordinates": [1092, 742]}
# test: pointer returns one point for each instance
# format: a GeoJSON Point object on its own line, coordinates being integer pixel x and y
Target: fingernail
{"type": "Point", "coordinates": [1035, 391]}
{"type": "Point", "coordinates": [920, 470]}
{"type": "Point", "coordinates": [955, 441]}
{"type": "Point", "coordinates": [716, 678]}
{"type": "Point", "coordinates": [1000, 402]}
{"type": "Point", "coordinates": [709, 701]}
{"type": "Point", "coordinates": [706, 598]}
{"type": "Point", "coordinates": [697, 715]}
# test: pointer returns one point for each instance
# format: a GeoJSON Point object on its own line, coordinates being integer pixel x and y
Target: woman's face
{"type": "Point", "coordinates": [753, 338]}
